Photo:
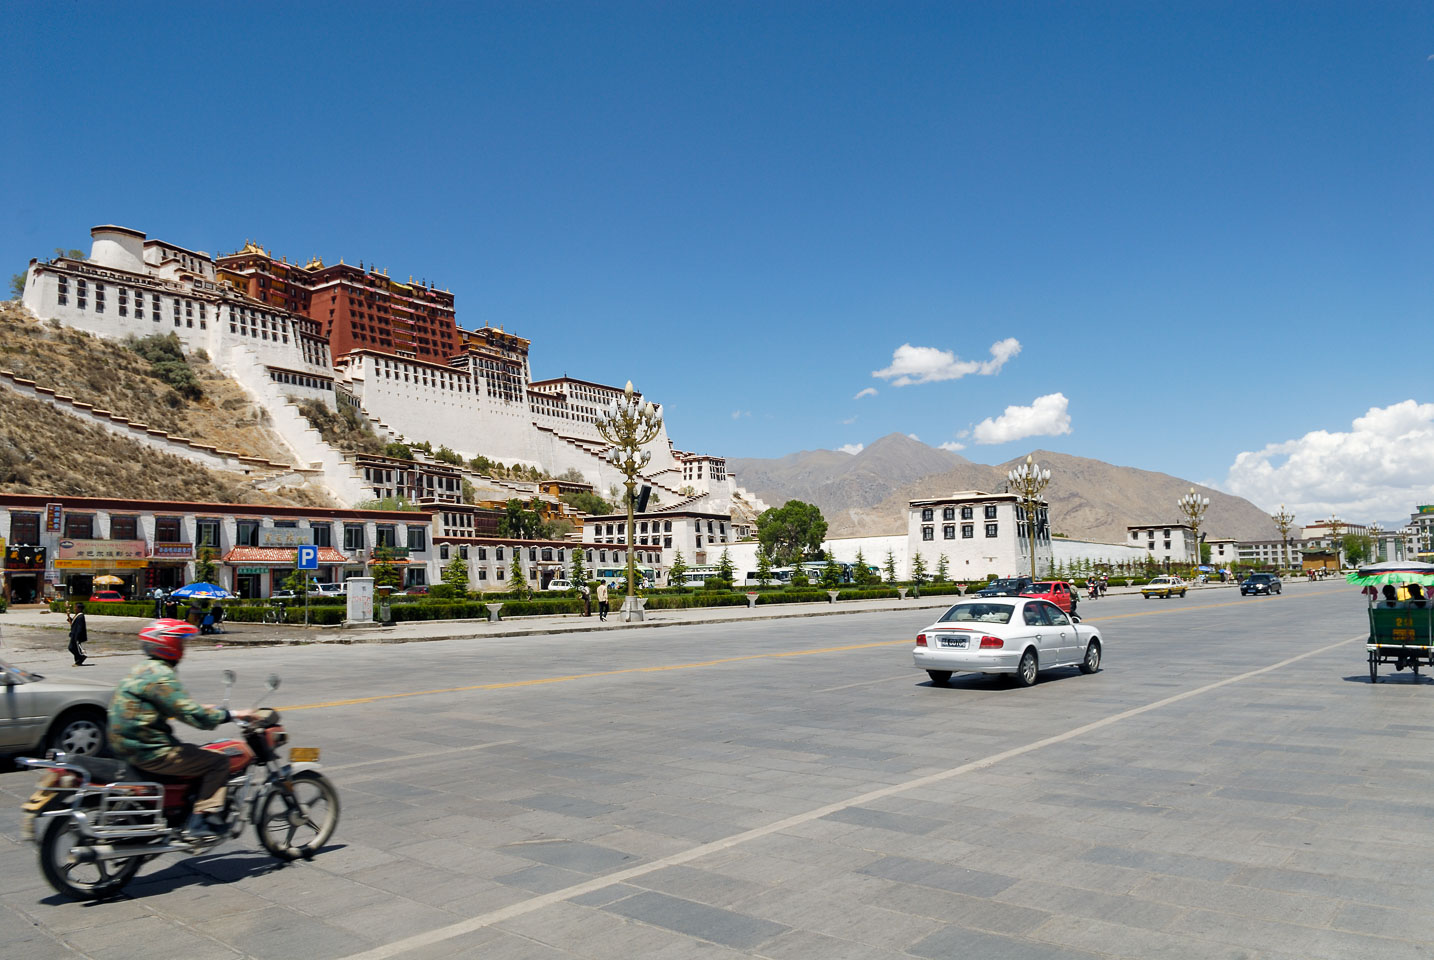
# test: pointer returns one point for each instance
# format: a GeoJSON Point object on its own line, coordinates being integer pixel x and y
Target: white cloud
{"type": "Point", "coordinates": [928, 364]}
{"type": "Point", "coordinates": [914, 437]}
{"type": "Point", "coordinates": [1383, 467]}
{"type": "Point", "coordinates": [953, 446]}
{"type": "Point", "coordinates": [1046, 417]}
{"type": "Point", "coordinates": [868, 392]}
{"type": "Point", "coordinates": [739, 414]}
{"type": "Point", "coordinates": [851, 448]}
{"type": "Point", "coordinates": [848, 421]}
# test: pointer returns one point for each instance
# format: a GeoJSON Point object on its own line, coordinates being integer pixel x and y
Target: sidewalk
{"type": "Point", "coordinates": [115, 634]}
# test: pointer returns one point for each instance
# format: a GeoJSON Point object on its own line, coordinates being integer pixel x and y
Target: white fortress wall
{"type": "Point", "coordinates": [1065, 550]}
{"type": "Point", "coordinates": [873, 551]}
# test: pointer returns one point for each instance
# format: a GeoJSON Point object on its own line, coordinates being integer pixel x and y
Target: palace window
{"type": "Point", "coordinates": [122, 528]}
{"type": "Point", "coordinates": [99, 298]}
{"type": "Point", "coordinates": [948, 513]}
{"type": "Point", "coordinates": [948, 532]}
{"type": "Point", "coordinates": [80, 526]}
{"type": "Point", "coordinates": [63, 295]}
{"type": "Point", "coordinates": [206, 533]}
{"type": "Point", "coordinates": [991, 530]}
{"type": "Point", "coordinates": [927, 533]}
{"type": "Point", "coordinates": [926, 515]}
{"type": "Point", "coordinates": [353, 536]}
{"type": "Point", "coordinates": [25, 528]}
{"type": "Point", "coordinates": [967, 513]}
{"type": "Point", "coordinates": [166, 530]}
{"type": "Point", "coordinates": [968, 530]}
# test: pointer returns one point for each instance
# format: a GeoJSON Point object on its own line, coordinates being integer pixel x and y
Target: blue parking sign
{"type": "Point", "coordinates": [308, 558]}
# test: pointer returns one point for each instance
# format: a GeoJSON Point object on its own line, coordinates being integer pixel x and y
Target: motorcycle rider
{"type": "Point", "coordinates": [139, 731]}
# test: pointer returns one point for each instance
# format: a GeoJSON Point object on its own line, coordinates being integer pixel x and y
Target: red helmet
{"type": "Point", "coordinates": [164, 639]}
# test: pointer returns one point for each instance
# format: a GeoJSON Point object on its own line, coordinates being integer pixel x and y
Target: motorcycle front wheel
{"type": "Point", "coordinates": [80, 881]}
{"type": "Point", "coordinates": [298, 824]}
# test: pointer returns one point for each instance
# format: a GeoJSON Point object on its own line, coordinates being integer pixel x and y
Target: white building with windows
{"type": "Point", "coordinates": [1174, 542]}
{"type": "Point", "coordinates": [700, 537]}
{"type": "Point", "coordinates": [981, 534]}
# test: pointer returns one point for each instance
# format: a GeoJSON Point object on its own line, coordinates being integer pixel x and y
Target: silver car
{"type": "Point", "coordinates": [37, 713]}
{"type": "Point", "coordinates": [1019, 636]}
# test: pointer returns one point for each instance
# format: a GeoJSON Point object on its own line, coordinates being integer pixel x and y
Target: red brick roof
{"type": "Point", "coordinates": [278, 555]}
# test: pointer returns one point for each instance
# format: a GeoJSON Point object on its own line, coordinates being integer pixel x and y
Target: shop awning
{"type": "Point", "coordinates": [278, 556]}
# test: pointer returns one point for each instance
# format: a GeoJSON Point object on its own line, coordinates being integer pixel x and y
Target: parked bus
{"type": "Point", "coordinates": [617, 576]}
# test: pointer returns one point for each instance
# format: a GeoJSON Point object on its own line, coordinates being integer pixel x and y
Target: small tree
{"type": "Point", "coordinates": [890, 567]}
{"type": "Point", "coordinates": [204, 569]}
{"type": "Point", "coordinates": [678, 571]}
{"type": "Point", "coordinates": [399, 451]}
{"type": "Point", "coordinates": [725, 571]}
{"type": "Point", "coordinates": [918, 570]}
{"type": "Point", "coordinates": [831, 574]}
{"type": "Point", "coordinates": [578, 575]}
{"type": "Point", "coordinates": [17, 286]}
{"type": "Point", "coordinates": [385, 573]}
{"type": "Point", "coordinates": [297, 582]}
{"type": "Point", "coordinates": [455, 573]}
{"type": "Point", "coordinates": [764, 567]}
{"type": "Point", "coordinates": [861, 572]}
{"type": "Point", "coordinates": [517, 580]}
{"type": "Point", "coordinates": [943, 569]}
{"type": "Point", "coordinates": [799, 577]}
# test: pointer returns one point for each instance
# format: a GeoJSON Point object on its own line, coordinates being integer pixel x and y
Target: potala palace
{"type": "Point", "coordinates": [351, 335]}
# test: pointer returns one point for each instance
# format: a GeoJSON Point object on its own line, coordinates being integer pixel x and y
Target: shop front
{"type": "Point", "coordinates": [258, 572]}
{"type": "Point", "coordinates": [169, 566]}
{"type": "Point", "coordinates": [24, 573]}
{"type": "Point", "coordinates": [79, 562]}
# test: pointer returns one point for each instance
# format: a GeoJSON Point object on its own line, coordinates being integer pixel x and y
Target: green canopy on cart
{"type": "Point", "coordinates": [1393, 571]}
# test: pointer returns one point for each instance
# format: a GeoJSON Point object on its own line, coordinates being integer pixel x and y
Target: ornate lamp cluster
{"type": "Point", "coordinates": [1028, 480]}
{"type": "Point", "coordinates": [627, 424]}
{"type": "Point", "coordinates": [1193, 506]}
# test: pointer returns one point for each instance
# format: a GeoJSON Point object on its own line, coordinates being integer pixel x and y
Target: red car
{"type": "Point", "coordinates": [1058, 592]}
{"type": "Point", "coordinates": [107, 596]}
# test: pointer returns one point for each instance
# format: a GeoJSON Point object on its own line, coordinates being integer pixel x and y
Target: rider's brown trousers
{"type": "Point", "coordinates": [211, 768]}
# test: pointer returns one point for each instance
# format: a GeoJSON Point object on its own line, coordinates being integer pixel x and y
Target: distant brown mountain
{"type": "Point", "coordinates": [867, 494]}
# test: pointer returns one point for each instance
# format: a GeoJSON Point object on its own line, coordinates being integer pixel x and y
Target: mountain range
{"type": "Point", "coordinates": [866, 494]}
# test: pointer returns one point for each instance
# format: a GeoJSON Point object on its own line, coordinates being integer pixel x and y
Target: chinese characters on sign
{"type": "Point", "coordinates": [53, 512]}
{"type": "Point", "coordinates": [285, 537]}
{"type": "Point", "coordinates": [97, 554]}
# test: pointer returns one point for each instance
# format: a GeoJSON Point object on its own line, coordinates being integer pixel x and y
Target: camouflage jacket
{"type": "Point", "coordinates": [140, 711]}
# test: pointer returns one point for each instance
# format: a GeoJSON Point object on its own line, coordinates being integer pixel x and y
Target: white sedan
{"type": "Point", "coordinates": [1016, 635]}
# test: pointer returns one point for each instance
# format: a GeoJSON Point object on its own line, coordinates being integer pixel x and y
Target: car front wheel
{"type": "Point", "coordinates": [1026, 672]}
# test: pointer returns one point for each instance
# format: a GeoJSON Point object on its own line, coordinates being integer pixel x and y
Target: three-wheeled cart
{"type": "Point", "coordinates": [1401, 629]}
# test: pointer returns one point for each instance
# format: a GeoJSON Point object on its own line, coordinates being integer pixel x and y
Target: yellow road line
{"type": "Point", "coordinates": [510, 684]}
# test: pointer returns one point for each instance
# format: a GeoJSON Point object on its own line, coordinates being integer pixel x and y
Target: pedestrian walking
{"type": "Point", "coordinates": [158, 595]}
{"type": "Point", "coordinates": [587, 600]}
{"type": "Point", "coordinates": [79, 633]}
{"type": "Point", "coordinates": [602, 601]}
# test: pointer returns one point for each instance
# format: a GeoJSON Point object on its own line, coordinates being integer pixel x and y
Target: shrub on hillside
{"type": "Point", "coordinates": [166, 362]}
{"type": "Point", "coordinates": [342, 428]}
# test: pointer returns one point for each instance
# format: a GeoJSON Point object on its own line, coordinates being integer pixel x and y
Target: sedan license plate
{"type": "Point", "coordinates": [958, 642]}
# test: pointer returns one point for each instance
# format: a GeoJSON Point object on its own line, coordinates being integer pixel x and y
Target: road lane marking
{"type": "Point", "coordinates": [510, 684]}
{"type": "Point", "coordinates": [419, 756]}
{"type": "Point", "coordinates": [440, 934]}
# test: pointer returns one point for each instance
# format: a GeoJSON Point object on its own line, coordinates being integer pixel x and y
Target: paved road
{"type": "Point", "coordinates": [1230, 785]}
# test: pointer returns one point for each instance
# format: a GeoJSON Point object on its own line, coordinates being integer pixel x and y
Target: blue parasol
{"type": "Point", "coordinates": [202, 591]}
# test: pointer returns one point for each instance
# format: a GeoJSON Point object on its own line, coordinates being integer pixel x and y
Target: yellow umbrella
{"type": "Point", "coordinates": [108, 580]}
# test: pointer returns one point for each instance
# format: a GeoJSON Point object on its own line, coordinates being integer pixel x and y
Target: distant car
{"type": "Point", "coordinates": [418, 591]}
{"type": "Point", "coordinates": [1165, 587]}
{"type": "Point", "coordinates": [1058, 592]}
{"type": "Point", "coordinates": [557, 583]}
{"type": "Point", "coordinates": [1006, 635]}
{"type": "Point", "coordinates": [107, 596]}
{"type": "Point", "coordinates": [1005, 587]}
{"type": "Point", "coordinates": [1257, 583]}
{"type": "Point", "coordinates": [37, 713]}
{"type": "Point", "coordinates": [329, 590]}
{"type": "Point", "coordinates": [284, 596]}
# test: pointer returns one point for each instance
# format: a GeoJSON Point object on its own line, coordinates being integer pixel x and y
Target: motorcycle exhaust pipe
{"type": "Point", "coordinates": [109, 851]}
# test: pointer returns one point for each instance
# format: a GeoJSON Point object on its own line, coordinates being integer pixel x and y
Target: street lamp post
{"type": "Point", "coordinates": [627, 424]}
{"type": "Point", "coordinates": [1375, 531]}
{"type": "Point", "coordinates": [1336, 527]}
{"type": "Point", "coordinates": [1283, 521]}
{"type": "Point", "coordinates": [1193, 506]}
{"type": "Point", "coordinates": [1028, 480]}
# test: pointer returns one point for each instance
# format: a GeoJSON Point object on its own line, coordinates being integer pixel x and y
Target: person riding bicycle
{"type": "Point", "coordinates": [139, 731]}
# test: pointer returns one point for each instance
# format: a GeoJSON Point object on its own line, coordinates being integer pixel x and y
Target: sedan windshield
{"type": "Point", "coordinates": [979, 613]}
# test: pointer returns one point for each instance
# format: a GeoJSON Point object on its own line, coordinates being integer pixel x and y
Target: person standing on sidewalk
{"type": "Point", "coordinates": [79, 633]}
{"type": "Point", "coordinates": [587, 600]}
{"type": "Point", "coordinates": [602, 600]}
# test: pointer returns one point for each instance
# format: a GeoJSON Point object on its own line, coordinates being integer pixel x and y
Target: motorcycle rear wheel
{"type": "Point", "coordinates": [290, 827]}
{"type": "Point", "coordinates": [81, 881]}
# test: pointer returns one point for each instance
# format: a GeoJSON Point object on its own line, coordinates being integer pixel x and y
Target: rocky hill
{"type": "Point", "coordinates": [867, 494]}
{"type": "Point", "coordinates": [43, 450]}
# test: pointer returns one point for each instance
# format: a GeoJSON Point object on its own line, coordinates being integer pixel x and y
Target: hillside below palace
{"type": "Point", "coordinates": [345, 334]}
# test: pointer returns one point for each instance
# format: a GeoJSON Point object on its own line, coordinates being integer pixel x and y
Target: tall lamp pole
{"type": "Point", "coordinates": [627, 424]}
{"type": "Point", "coordinates": [1283, 521]}
{"type": "Point", "coordinates": [1028, 480]}
{"type": "Point", "coordinates": [1193, 506]}
{"type": "Point", "coordinates": [1375, 530]}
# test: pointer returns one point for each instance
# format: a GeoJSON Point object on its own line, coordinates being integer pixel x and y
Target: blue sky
{"type": "Point", "coordinates": [1206, 226]}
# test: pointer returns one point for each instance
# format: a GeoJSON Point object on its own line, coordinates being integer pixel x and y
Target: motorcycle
{"type": "Point", "coordinates": [97, 821]}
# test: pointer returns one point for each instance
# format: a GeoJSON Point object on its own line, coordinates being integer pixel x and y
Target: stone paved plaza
{"type": "Point", "coordinates": [1230, 785]}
